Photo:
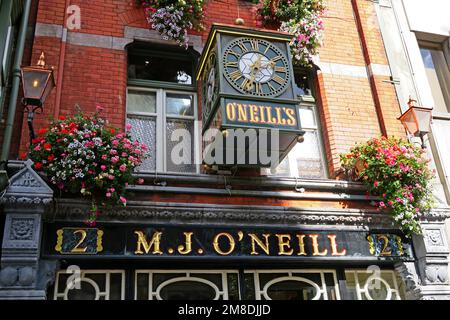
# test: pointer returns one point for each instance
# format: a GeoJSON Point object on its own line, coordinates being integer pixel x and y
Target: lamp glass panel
{"type": "Point", "coordinates": [34, 83]}
{"type": "Point", "coordinates": [423, 119]}
{"type": "Point", "coordinates": [409, 122]}
{"type": "Point", "coordinates": [48, 88]}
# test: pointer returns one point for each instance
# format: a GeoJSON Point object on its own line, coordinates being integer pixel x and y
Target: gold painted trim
{"type": "Point", "coordinates": [205, 56]}
{"type": "Point", "coordinates": [99, 240]}
{"type": "Point", "coordinates": [59, 240]}
{"type": "Point", "coordinates": [400, 246]}
{"type": "Point", "coordinates": [371, 244]}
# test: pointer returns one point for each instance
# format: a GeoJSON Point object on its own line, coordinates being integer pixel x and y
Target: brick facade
{"type": "Point", "coordinates": [355, 99]}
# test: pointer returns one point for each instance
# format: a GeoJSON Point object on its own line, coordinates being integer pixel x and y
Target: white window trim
{"type": "Point", "coordinates": [185, 275]}
{"type": "Point", "coordinates": [362, 289]}
{"type": "Point", "coordinates": [293, 168]}
{"type": "Point", "coordinates": [161, 119]}
{"type": "Point", "coordinates": [83, 273]}
{"type": "Point", "coordinates": [321, 291]}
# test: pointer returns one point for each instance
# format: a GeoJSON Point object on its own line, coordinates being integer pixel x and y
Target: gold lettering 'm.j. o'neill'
{"type": "Point", "coordinates": [260, 114]}
{"type": "Point", "coordinates": [142, 243]}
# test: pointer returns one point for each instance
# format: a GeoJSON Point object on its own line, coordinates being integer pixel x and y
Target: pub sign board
{"type": "Point", "coordinates": [238, 243]}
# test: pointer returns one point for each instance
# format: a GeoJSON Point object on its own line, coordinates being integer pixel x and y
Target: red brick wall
{"type": "Point", "coordinates": [352, 108]}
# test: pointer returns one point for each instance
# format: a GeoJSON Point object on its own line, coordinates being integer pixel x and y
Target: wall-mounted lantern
{"type": "Point", "coordinates": [416, 120]}
{"type": "Point", "coordinates": [37, 83]}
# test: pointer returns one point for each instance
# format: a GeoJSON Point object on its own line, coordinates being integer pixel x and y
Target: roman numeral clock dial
{"type": "Point", "coordinates": [256, 67]}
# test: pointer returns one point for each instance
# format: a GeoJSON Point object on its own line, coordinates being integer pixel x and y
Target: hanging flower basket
{"type": "Point", "coordinates": [301, 18]}
{"type": "Point", "coordinates": [174, 18]}
{"type": "Point", "coordinates": [396, 171]}
{"type": "Point", "coordinates": [84, 156]}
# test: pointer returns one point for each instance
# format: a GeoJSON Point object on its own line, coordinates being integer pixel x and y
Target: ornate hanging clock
{"type": "Point", "coordinates": [256, 67]}
{"type": "Point", "coordinates": [247, 79]}
{"type": "Point", "coordinates": [210, 86]}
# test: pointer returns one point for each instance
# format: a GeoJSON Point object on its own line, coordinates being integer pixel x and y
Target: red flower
{"type": "Point", "coordinates": [113, 130]}
{"type": "Point", "coordinates": [47, 146]}
{"type": "Point", "coordinates": [51, 157]}
{"type": "Point", "coordinates": [35, 140]}
{"type": "Point", "coordinates": [62, 118]}
{"type": "Point", "coordinates": [42, 131]}
{"type": "Point", "coordinates": [23, 155]}
{"type": "Point", "coordinates": [38, 165]}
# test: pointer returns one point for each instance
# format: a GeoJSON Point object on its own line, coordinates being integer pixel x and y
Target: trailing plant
{"type": "Point", "coordinates": [301, 18]}
{"type": "Point", "coordinates": [396, 171]}
{"type": "Point", "coordinates": [173, 18]}
{"type": "Point", "coordinates": [83, 155]}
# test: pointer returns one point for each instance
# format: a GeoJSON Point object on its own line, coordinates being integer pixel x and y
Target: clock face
{"type": "Point", "coordinates": [210, 83]}
{"type": "Point", "coordinates": [256, 67]}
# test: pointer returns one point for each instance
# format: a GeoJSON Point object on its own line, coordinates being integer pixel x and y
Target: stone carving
{"type": "Point", "coordinates": [436, 274]}
{"type": "Point", "coordinates": [223, 213]}
{"type": "Point", "coordinates": [408, 273]}
{"type": "Point", "coordinates": [26, 276]}
{"type": "Point", "coordinates": [21, 229]}
{"type": "Point", "coordinates": [434, 238]}
{"type": "Point", "coordinates": [27, 189]}
{"type": "Point", "coordinates": [26, 180]}
{"type": "Point", "coordinates": [8, 276]}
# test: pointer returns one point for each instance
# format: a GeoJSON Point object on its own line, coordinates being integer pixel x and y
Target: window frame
{"type": "Point", "coordinates": [306, 101]}
{"type": "Point", "coordinates": [164, 84]}
{"type": "Point", "coordinates": [106, 272]}
{"type": "Point", "coordinates": [432, 45]}
{"type": "Point", "coordinates": [161, 117]}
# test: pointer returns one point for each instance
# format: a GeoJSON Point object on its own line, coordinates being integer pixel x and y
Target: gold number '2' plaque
{"type": "Point", "coordinates": [79, 241]}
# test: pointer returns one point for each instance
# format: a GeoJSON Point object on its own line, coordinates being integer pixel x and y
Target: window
{"type": "Point", "coordinates": [381, 285]}
{"type": "Point", "coordinates": [186, 285]}
{"type": "Point", "coordinates": [243, 284]}
{"type": "Point", "coordinates": [306, 159]}
{"type": "Point", "coordinates": [162, 108]}
{"type": "Point", "coordinates": [293, 285]}
{"type": "Point", "coordinates": [438, 75]}
{"type": "Point", "coordinates": [90, 285]}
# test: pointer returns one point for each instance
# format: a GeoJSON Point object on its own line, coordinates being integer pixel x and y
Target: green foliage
{"type": "Point", "coordinates": [396, 171]}
{"type": "Point", "coordinates": [83, 155]}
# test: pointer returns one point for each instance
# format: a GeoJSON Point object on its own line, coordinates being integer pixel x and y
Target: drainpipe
{"type": "Point", "coordinates": [14, 92]}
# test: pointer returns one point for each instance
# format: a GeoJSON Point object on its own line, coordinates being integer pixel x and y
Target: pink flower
{"type": "Point", "coordinates": [375, 184]}
{"type": "Point", "coordinates": [104, 157]}
{"type": "Point", "coordinates": [113, 151]}
{"type": "Point", "coordinates": [123, 200]}
{"type": "Point", "coordinates": [114, 142]}
{"type": "Point", "coordinates": [140, 181]}
{"type": "Point", "coordinates": [115, 159]}
{"type": "Point", "coordinates": [112, 190]}
{"type": "Point", "coordinates": [108, 195]}
{"type": "Point", "coordinates": [103, 167]}
{"type": "Point", "coordinates": [123, 168]}
{"type": "Point", "coordinates": [110, 177]}
{"type": "Point", "coordinates": [128, 127]}
{"type": "Point", "coordinates": [382, 204]}
{"type": "Point", "coordinates": [124, 154]}
{"type": "Point", "coordinates": [99, 108]}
